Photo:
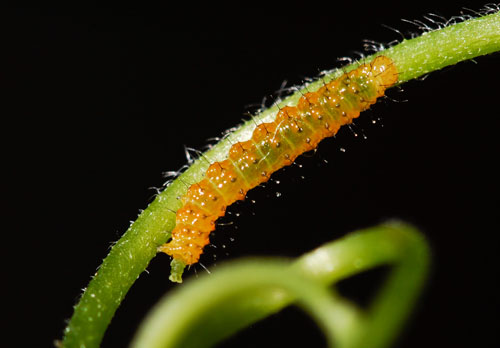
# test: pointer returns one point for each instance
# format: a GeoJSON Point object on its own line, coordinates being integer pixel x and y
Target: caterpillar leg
{"type": "Point", "coordinates": [183, 253]}
{"type": "Point", "coordinates": [176, 269]}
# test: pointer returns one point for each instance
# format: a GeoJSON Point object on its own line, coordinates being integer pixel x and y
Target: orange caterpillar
{"type": "Point", "coordinates": [273, 145]}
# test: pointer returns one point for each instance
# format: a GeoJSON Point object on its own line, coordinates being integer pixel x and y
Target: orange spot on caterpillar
{"type": "Point", "coordinates": [273, 145]}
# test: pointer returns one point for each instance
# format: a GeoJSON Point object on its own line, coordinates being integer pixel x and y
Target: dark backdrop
{"type": "Point", "coordinates": [98, 103]}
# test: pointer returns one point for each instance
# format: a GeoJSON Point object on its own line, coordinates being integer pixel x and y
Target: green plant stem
{"type": "Point", "coordinates": [207, 310]}
{"type": "Point", "coordinates": [130, 256]}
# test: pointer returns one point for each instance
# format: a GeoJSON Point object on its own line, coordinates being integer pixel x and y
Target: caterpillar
{"type": "Point", "coordinates": [295, 130]}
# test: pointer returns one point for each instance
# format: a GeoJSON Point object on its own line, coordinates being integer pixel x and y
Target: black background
{"type": "Point", "coordinates": [98, 103]}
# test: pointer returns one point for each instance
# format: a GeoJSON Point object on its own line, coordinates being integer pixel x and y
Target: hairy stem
{"type": "Point", "coordinates": [130, 256]}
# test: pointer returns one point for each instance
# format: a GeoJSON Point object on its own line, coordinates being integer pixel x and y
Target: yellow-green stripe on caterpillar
{"type": "Point", "coordinates": [296, 129]}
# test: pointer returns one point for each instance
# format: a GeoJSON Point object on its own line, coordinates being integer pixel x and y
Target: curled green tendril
{"type": "Point", "coordinates": [204, 311]}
